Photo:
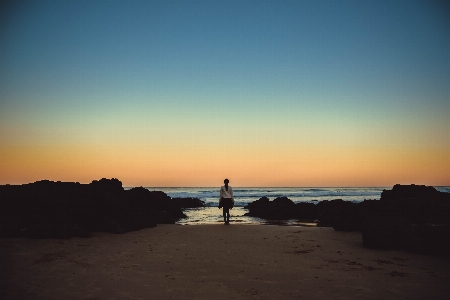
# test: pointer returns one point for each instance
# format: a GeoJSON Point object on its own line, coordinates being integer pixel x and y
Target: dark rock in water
{"type": "Point", "coordinates": [258, 204]}
{"type": "Point", "coordinates": [284, 201]}
{"type": "Point", "coordinates": [47, 209]}
{"type": "Point", "coordinates": [154, 200]}
{"type": "Point", "coordinates": [412, 192]}
{"type": "Point", "coordinates": [409, 217]}
{"type": "Point", "coordinates": [419, 203]}
{"type": "Point", "coordinates": [327, 211]}
{"type": "Point", "coordinates": [341, 214]}
{"type": "Point", "coordinates": [306, 211]}
{"type": "Point", "coordinates": [281, 208]}
{"type": "Point", "coordinates": [258, 208]}
{"type": "Point", "coordinates": [189, 202]}
{"type": "Point", "coordinates": [344, 215]}
{"type": "Point", "coordinates": [414, 218]}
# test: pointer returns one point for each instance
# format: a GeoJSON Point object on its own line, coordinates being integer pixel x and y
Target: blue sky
{"type": "Point", "coordinates": [275, 74]}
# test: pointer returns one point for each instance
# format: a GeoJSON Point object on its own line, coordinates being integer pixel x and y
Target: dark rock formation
{"type": "Point", "coordinates": [47, 209]}
{"type": "Point", "coordinates": [344, 215]}
{"type": "Point", "coordinates": [386, 231]}
{"type": "Point", "coordinates": [257, 205]}
{"type": "Point", "coordinates": [413, 217]}
{"type": "Point", "coordinates": [410, 217]}
{"type": "Point", "coordinates": [306, 211]}
{"type": "Point", "coordinates": [154, 200]}
{"type": "Point", "coordinates": [189, 202]}
{"type": "Point", "coordinates": [281, 208]}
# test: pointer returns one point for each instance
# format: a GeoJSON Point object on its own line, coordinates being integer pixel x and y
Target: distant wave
{"type": "Point", "coordinates": [243, 196]}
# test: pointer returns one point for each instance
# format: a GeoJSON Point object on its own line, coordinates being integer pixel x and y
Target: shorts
{"type": "Point", "coordinates": [226, 203]}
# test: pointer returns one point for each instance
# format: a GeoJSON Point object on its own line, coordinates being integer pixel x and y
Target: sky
{"type": "Point", "coordinates": [187, 93]}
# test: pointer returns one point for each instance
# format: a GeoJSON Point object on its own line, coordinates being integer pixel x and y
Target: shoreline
{"type": "Point", "coordinates": [213, 215]}
{"type": "Point", "coordinates": [218, 262]}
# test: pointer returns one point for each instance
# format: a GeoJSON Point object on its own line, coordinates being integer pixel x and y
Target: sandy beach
{"type": "Point", "coordinates": [218, 262]}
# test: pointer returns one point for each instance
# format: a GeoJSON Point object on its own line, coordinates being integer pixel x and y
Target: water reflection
{"type": "Point", "coordinates": [213, 215]}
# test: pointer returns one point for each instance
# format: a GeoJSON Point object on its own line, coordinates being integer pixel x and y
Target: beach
{"type": "Point", "coordinates": [218, 262]}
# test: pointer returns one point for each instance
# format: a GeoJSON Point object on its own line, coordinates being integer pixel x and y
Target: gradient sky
{"type": "Point", "coordinates": [186, 93]}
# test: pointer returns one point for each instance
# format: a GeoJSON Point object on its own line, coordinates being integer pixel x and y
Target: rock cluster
{"type": "Point", "coordinates": [189, 202]}
{"type": "Point", "coordinates": [281, 208]}
{"type": "Point", "coordinates": [410, 217]}
{"type": "Point", "coordinates": [47, 209]}
{"type": "Point", "coordinates": [342, 215]}
{"type": "Point", "coordinates": [414, 217]}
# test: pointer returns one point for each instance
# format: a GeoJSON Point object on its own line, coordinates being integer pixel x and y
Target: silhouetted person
{"type": "Point", "coordinates": [226, 200]}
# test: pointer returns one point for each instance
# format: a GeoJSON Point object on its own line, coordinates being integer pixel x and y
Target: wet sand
{"type": "Point", "coordinates": [218, 262]}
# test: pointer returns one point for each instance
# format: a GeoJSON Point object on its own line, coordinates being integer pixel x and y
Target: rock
{"type": "Point", "coordinates": [419, 203]}
{"type": "Point", "coordinates": [388, 231]}
{"type": "Point", "coordinates": [189, 202]}
{"type": "Point", "coordinates": [341, 215]}
{"type": "Point", "coordinates": [327, 211]}
{"type": "Point", "coordinates": [47, 209]}
{"type": "Point", "coordinates": [434, 239]}
{"type": "Point", "coordinates": [154, 200]}
{"type": "Point", "coordinates": [410, 217]}
{"type": "Point", "coordinates": [383, 231]}
{"type": "Point", "coordinates": [350, 216]}
{"type": "Point", "coordinates": [284, 201]}
{"type": "Point", "coordinates": [162, 217]}
{"type": "Point", "coordinates": [258, 204]}
{"type": "Point", "coordinates": [306, 211]}
{"type": "Point", "coordinates": [411, 192]}
{"type": "Point", "coordinates": [281, 208]}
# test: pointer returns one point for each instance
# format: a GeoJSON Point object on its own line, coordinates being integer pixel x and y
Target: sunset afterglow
{"type": "Point", "coordinates": [186, 93]}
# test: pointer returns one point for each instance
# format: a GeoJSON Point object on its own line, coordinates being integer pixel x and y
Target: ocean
{"type": "Point", "coordinates": [211, 214]}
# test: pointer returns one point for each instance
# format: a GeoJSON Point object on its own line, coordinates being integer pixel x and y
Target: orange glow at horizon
{"type": "Point", "coordinates": [159, 166]}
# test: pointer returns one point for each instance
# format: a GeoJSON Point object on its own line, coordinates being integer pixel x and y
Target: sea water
{"type": "Point", "coordinates": [211, 214]}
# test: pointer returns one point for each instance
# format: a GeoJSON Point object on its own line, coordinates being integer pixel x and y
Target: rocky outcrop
{"type": "Point", "coordinates": [414, 218]}
{"type": "Point", "coordinates": [146, 200]}
{"type": "Point", "coordinates": [47, 209]}
{"type": "Point", "coordinates": [344, 215]}
{"type": "Point", "coordinates": [336, 213]}
{"type": "Point", "coordinates": [189, 202]}
{"type": "Point", "coordinates": [281, 208]}
{"type": "Point", "coordinates": [410, 217]}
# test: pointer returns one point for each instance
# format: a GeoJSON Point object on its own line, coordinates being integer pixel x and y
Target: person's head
{"type": "Point", "coordinates": [226, 181]}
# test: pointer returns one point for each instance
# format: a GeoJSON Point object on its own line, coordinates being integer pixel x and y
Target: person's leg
{"type": "Point", "coordinates": [224, 214]}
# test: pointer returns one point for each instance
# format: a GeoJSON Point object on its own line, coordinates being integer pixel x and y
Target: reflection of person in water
{"type": "Point", "coordinates": [226, 200]}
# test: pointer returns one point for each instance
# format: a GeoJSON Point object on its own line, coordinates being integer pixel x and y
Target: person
{"type": "Point", "coordinates": [226, 200]}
